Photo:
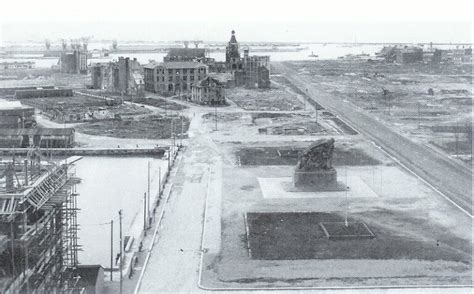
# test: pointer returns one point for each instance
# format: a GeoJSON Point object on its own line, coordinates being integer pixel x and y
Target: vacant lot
{"type": "Point", "coordinates": [418, 100]}
{"type": "Point", "coordinates": [276, 99]}
{"type": "Point", "coordinates": [81, 109]}
{"type": "Point", "coordinates": [149, 127]}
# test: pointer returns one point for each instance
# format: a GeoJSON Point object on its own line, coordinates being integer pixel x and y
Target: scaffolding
{"type": "Point", "coordinates": [38, 227]}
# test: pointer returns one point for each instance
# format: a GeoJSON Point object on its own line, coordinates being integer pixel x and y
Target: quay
{"type": "Point", "coordinates": [156, 151]}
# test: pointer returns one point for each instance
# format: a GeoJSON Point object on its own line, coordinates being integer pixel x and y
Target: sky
{"type": "Point", "coordinates": [257, 20]}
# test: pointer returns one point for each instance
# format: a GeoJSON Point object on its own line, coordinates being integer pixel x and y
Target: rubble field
{"type": "Point", "coordinates": [431, 104]}
{"type": "Point", "coordinates": [281, 123]}
{"type": "Point", "coordinates": [81, 109]}
{"type": "Point", "coordinates": [159, 102]}
{"type": "Point", "coordinates": [142, 127]}
{"type": "Point", "coordinates": [277, 98]}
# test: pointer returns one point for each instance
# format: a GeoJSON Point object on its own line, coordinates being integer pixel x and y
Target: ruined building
{"type": "Point", "coordinates": [73, 62]}
{"type": "Point", "coordinates": [121, 77]}
{"type": "Point", "coordinates": [249, 71]}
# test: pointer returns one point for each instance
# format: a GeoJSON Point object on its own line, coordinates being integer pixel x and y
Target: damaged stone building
{"type": "Point", "coordinates": [73, 62]}
{"type": "Point", "coordinates": [122, 77]}
{"type": "Point", "coordinates": [249, 71]}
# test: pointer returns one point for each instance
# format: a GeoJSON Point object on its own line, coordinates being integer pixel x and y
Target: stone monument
{"type": "Point", "coordinates": [314, 170]}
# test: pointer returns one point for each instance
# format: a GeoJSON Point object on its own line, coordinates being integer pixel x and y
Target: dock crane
{"type": "Point", "coordinates": [186, 43]}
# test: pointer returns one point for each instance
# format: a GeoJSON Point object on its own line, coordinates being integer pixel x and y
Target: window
{"type": "Point", "coordinates": [192, 78]}
{"type": "Point", "coordinates": [170, 71]}
{"type": "Point", "coordinates": [170, 78]}
{"type": "Point", "coordinates": [185, 78]}
{"type": "Point", "coordinates": [191, 71]}
{"type": "Point", "coordinates": [177, 72]}
{"type": "Point", "coordinates": [185, 71]}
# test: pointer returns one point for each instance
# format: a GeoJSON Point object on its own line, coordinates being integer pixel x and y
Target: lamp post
{"type": "Point", "coordinates": [121, 252]}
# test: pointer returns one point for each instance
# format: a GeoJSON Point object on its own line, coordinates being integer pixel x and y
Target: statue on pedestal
{"type": "Point", "coordinates": [314, 169]}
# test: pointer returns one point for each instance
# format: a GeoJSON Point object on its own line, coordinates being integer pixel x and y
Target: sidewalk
{"type": "Point", "coordinates": [134, 259]}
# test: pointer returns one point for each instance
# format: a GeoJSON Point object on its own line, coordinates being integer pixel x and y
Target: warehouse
{"type": "Point", "coordinates": [38, 137]}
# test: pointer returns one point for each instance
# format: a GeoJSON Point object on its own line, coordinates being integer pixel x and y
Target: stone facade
{"type": "Point", "coordinates": [173, 78]}
{"type": "Point", "coordinates": [208, 91]}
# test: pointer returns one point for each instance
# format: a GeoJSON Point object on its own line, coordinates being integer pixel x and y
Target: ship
{"type": "Point", "coordinates": [312, 54]}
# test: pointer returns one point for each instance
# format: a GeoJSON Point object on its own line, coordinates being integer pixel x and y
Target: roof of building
{"type": "Point", "coordinates": [232, 38]}
{"type": "Point", "coordinates": [207, 81]}
{"type": "Point", "coordinates": [37, 131]}
{"type": "Point", "coordinates": [221, 77]}
{"type": "Point", "coordinates": [176, 64]}
{"type": "Point", "coordinates": [187, 52]}
{"type": "Point", "coordinates": [8, 105]}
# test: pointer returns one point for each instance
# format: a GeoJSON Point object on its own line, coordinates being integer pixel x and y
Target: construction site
{"type": "Point", "coordinates": [38, 225]}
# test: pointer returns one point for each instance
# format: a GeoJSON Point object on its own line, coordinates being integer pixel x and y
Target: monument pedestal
{"type": "Point", "coordinates": [318, 180]}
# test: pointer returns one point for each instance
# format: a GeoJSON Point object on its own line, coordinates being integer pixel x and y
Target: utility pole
{"type": "Point", "coordinates": [148, 206]}
{"type": "Point", "coordinates": [182, 128]}
{"type": "Point", "coordinates": [172, 131]}
{"type": "Point", "coordinates": [215, 107]}
{"type": "Point", "coordinates": [121, 252]}
{"type": "Point", "coordinates": [144, 213]}
{"type": "Point", "coordinates": [159, 181]}
{"type": "Point", "coordinates": [111, 249]}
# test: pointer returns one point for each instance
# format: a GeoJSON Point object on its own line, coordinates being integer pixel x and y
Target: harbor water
{"type": "Point", "coordinates": [110, 184]}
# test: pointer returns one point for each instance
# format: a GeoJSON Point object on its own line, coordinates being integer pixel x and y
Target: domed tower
{"type": "Point", "coordinates": [232, 54]}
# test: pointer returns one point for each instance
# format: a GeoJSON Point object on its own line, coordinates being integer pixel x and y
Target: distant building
{"type": "Point", "coordinates": [463, 55]}
{"type": "Point", "coordinates": [232, 54]}
{"type": "Point", "coordinates": [187, 54]}
{"type": "Point", "coordinates": [249, 71]}
{"type": "Point", "coordinates": [256, 71]}
{"type": "Point", "coordinates": [171, 78]}
{"type": "Point", "coordinates": [17, 65]}
{"type": "Point", "coordinates": [73, 62]}
{"type": "Point", "coordinates": [14, 115]}
{"type": "Point", "coordinates": [122, 77]}
{"type": "Point", "coordinates": [409, 55]}
{"type": "Point", "coordinates": [208, 91]}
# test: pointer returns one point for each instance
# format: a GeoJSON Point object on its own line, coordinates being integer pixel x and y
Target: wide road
{"type": "Point", "coordinates": [452, 180]}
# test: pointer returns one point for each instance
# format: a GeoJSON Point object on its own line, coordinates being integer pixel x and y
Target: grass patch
{"type": "Point", "coordinates": [298, 235]}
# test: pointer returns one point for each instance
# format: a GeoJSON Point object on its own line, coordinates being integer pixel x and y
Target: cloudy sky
{"type": "Point", "coordinates": [212, 20]}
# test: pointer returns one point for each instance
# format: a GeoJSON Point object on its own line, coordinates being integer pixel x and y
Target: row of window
{"type": "Point", "coordinates": [177, 79]}
{"type": "Point", "coordinates": [184, 71]}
